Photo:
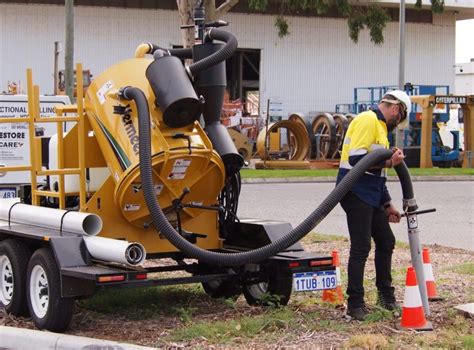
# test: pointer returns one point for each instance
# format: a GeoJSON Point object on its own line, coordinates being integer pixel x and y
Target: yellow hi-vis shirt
{"type": "Point", "coordinates": [366, 133]}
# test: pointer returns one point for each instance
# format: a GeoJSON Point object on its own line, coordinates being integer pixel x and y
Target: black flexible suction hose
{"type": "Point", "coordinates": [232, 259]}
{"type": "Point", "coordinates": [409, 202]}
{"type": "Point", "coordinates": [217, 57]}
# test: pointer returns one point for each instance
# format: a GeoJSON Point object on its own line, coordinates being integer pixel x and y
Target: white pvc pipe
{"type": "Point", "coordinates": [72, 221]}
{"type": "Point", "coordinates": [115, 250]}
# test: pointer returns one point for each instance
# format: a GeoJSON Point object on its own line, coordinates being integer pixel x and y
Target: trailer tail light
{"type": "Point", "coordinates": [114, 278]}
{"type": "Point", "coordinates": [320, 262]}
{"type": "Point", "coordinates": [141, 276]}
{"type": "Point", "coordinates": [294, 264]}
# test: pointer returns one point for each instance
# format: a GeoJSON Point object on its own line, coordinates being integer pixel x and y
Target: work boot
{"type": "Point", "coordinates": [359, 313]}
{"type": "Point", "coordinates": [388, 305]}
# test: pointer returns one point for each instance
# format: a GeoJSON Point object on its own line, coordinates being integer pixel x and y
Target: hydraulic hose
{"type": "Point", "coordinates": [217, 57]}
{"type": "Point", "coordinates": [150, 48]}
{"type": "Point", "coordinates": [162, 225]}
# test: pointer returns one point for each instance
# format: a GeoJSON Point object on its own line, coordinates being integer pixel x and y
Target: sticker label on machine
{"type": "Point", "coordinates": [179, 169]}
{"type": "Point", "coordinates": [131, 207]}
{"type": "Point", "coordinates": [137, 187]}
{"type": "Point", "coordinates": [314, 280]}
{"type": "Point", "coordinates": [101, 93]}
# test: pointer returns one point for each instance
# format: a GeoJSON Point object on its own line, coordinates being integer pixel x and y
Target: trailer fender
{"type": "Point", "coordinates": [71, 252]}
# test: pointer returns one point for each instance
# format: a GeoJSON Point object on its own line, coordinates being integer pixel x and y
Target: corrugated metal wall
{"type": "Point", "coordinates": [314, 68]}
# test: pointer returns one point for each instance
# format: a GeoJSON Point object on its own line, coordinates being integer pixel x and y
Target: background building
{"type": "Point", "coordinates": [464, 84]}
{"type": "Point", "coordinates": [313, 69]}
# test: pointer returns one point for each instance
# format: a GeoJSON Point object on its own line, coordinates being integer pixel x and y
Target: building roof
{"type": "Point", "coordinates": [464, 9]}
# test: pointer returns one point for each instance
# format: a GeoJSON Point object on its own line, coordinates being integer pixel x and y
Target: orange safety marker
{"type": "Point", "coordinates": [413, 316]}
{"type": "Point", "coordinates": [335, 296]}
{"type": "Point", "coordinates": [429, 276]}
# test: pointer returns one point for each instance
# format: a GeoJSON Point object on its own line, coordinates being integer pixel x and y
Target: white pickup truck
{"type": "Point", "coordinates": [14, 138]}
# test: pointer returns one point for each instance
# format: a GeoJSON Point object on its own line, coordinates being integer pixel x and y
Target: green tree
{"type": "Point", "coordinates": [372, 17]}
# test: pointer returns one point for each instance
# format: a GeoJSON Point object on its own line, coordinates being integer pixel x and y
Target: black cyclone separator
{"type": "Point", "coordinates": [217, 57]}
{"type": "Point", "coordinates": [257, 255]}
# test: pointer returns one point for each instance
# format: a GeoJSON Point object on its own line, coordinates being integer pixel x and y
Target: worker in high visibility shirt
{"type": "Point", "coordinates": [368, 204]}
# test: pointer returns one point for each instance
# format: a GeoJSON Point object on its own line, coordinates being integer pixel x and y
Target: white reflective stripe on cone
{"type": "Point", "coordinates": [412, 297]}
{"type": "Point", "coordinates": [428, 270]}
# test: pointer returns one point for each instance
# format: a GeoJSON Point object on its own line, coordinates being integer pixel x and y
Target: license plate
{"type": "Point", "coordinates": [8, 192]}
{"type": "Point", "coordinates": [315, 280]}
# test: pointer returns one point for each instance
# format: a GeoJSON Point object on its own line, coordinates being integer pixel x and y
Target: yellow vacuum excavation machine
{"type": "Point", "coordinates": [148, 157]}
{"type": "Point", "coordinates": [183, 160]}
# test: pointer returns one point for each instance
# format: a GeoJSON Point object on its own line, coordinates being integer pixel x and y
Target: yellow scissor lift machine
{"type": "Point", "coordinates": [171, 184]}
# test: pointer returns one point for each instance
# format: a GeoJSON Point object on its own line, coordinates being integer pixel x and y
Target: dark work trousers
{"type": "Point", "coordinates": [364, 222]}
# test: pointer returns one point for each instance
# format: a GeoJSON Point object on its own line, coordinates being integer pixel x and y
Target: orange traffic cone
{"type": "Point", "coordinates": [413, 316]}
{"type": "Point", "coordinates": [429, 276]}
{"type": "Point", "coordinates": [335, 296]}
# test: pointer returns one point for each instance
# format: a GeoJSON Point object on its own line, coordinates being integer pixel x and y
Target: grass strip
{"type": "Point", "coordinates": [285, 173]}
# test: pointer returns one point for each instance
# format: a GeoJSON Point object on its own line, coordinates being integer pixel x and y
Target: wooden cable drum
{"type": "Point", "coordinates": [242, 143]}
{"type": "Point", "coordinates": [350, 116]}
{"type": "Point", "coordinates": [324, 130]}
{"type": "Point", "coordinates": [299, 149]}
{"type": "Point", "coordinates": [341, 127]}
{"type": "Point", "coordinates": [298, 118]}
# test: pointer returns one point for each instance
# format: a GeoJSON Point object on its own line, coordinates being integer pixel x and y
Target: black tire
{"type": "Point", "coordinates": [47, 308]}
{"type": "Point", "coordinates": [227, 289]}
{"type": "Point", "coordinates": [275, 288]}
{"type": "Point", "coordinates": [14, 257]}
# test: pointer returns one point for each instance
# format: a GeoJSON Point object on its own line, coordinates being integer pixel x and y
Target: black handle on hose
{"type": "Point", "coordinates": [231, 259]}
{"type": "Point", "coordinates": [426, 211]}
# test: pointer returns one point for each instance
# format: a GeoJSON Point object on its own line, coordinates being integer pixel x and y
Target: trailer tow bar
{"type": "Point", "coordinates": [415, 251]}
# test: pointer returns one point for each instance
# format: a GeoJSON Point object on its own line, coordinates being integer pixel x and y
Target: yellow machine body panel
{"type": "Point", "coordinates": [115, 225]}
{"type": "Point", "coordinates": [181, 158]}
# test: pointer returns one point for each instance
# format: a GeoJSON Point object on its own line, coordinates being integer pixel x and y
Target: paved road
{"type": "Point", "coordinates": [452, 225]}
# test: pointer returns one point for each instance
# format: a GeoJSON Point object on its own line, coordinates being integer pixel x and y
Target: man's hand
{"type": "Point", "coordinates": [393, 214]}
{"type": "Point", "coordinates": [397, 156]}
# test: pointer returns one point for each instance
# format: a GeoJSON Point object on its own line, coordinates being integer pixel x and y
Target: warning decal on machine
{"type": "Point", "coordinates": [158, 189]}
{"type": "Point", "coordinates": [137, 187]}
{"type": "Point", "coordinates": [103, 90]}
{"type": "Point", "coordinates": [179, 169]}
{"type": "Point", "coordinates": [131, 207]}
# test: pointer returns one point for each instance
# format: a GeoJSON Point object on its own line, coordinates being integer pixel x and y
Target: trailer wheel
{"type": "Point", "coordinates": [227, 289]}
{"type": "Point", "coordinates": [14, 257]}
{"type": "Point", "coordinates": [47, 308]}
{"type": "Point", "coordinates": [274, 289]}
{"type": "Point", "coordinates": [221, 288]}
